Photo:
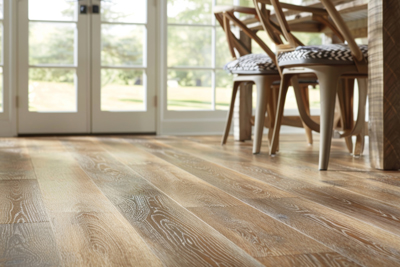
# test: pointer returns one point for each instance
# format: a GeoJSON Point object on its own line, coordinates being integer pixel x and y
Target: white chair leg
{"type": "Point", "coordinates": [328, 80]}
{"type": "Point", "coordinates": [263, 83]}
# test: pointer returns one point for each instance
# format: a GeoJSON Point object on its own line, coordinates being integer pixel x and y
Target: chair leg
{"type": "Point", "coordinates": [328, 80]}
{"type": "Point", "coordinates": [359, 146]}
{"type": "Point", "coordinates": [271, 107]}
{"type": "Point", "coordinates": [360, 124]}
{"type": "Point", "coordinates": [306, 101]}
{"type": "Point", "coordinates": [230, 113]}
{"type": "Point", "coordinates": [345, 96]}
{"type": "Point", "coordinates": [263, 84]}
{"type": "Point", "coordinates": [279, 112]}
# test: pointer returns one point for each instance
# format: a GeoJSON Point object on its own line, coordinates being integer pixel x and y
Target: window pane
{"type": "Point", "coordinates": [224, 2]}
{"type": "Point", "coordinates": [1, 90]}
{"type": "Point", "coordinates": [51, 43]}
{"type": "Point", "coordinates": [246, 3]}
{"type": "Point", "coordinates": [223, 90]}
{"type": "Point", "coordinates": [122, 90]}
{"type": "Point", "coordinates": [190, 11]}
{"type": "Point", "coordinates": [222, 54]}
{"type": "Point", "coordinates": [189, 46]}
{"type": "Point", "coordinates": [122, 45]}
{"type": "Point", "coordinates": [314, 98]}
{"type": "Point", "coordinates": [56, 10]}
{"type": "Point", "coordinates": [309, 38]}
{"type": "Point", "coordinates": [1, 43]}
{"type": "Point", "coordinates": [134, 11]}
{"type": "Point", "coordinates": [256, 49]}
{"type": "Point", "coordinates": [1, 9]}
{"type": "Point", "coordinates": [189, 90]}
{"type": "Point", "coordinates": [52, 90]}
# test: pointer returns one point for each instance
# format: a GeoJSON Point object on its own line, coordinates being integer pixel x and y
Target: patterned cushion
{"type": "Point", "coordinates": [323, 54]}
{"type": "Point", "coordinates": [251, 63]}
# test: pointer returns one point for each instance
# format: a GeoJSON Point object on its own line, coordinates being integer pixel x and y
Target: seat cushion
{"type": "Point", "coordinates": [320, 54]}
{"type": "Point", "coordinates": [251, 64]}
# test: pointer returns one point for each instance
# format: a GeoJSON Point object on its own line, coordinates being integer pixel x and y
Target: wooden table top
{"type": "Point", "coordinates": [354, 12]}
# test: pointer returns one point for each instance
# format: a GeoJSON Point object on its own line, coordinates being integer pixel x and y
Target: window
{"type": "Point", "coordinates": [197, 52]}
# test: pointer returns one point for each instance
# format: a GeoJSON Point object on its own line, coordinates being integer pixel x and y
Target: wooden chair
{"type": "Point", "coordinates": [258, 69]}
{"type": "Point", "coordinates": [330, 63]}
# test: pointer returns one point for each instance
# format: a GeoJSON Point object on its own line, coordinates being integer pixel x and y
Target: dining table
{"type": "Point", "coordinates": [379, 22]}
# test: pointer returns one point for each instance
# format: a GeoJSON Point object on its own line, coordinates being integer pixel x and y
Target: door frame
{"type": "Point", "coordinates": [103, 121]}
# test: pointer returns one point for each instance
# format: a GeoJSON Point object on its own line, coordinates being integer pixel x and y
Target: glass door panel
{"type": "Point", "coordinates": [82, 72]}
{"type": "Point", "coordinates": [123, 67]}
{"type": "Point", "coordinates": [53, 63]}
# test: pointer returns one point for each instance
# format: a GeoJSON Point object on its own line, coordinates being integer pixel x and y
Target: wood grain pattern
{"type": "Point", "coordinates": [88, 229]}
{"type": "Point", "coordinates": [167, 227]}
{"type": "Point", "coordinates": [364, 244]}
{"type": "Point", "coordinates": [314, 259]}
{"type": "Point", "coordinates": [28, 244]}
{"type": "Point", "coordinates": [256, 233]}
{"type": "Point", "coordinates": [355, 205]}
{"type": "Point", "coordinates": [384, 84]}
{"type": "Point", "coordinates": [199, 168]}
{"type": "Point", "coordinates": [20, 202]}
{"type": "Point", "coordinates": [187, 201]}
{"type": "Point", "coordinates": [14, 161]}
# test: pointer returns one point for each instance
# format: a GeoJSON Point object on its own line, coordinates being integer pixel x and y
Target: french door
{"type": "Point", "coordinates": [86, 66]}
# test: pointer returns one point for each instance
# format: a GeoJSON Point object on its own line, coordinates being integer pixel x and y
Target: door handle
{"type": "Point", "coordinates": [95, 9]}
{"type": "Point", "coordinates": [83, 9]}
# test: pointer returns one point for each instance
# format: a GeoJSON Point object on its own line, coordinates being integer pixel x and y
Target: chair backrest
{"type": "Point", "coordinates": [338, 26]}
{"type": "Point", "coordinates": [226, 17]}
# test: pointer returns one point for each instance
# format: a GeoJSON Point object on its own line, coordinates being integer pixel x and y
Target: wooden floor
{"type": "Point", "coordinates": [187, 201]}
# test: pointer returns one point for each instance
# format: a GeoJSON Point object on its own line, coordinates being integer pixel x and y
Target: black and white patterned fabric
{"type": "Point", "coordinates": [251, 63]}
{"type": "Point", "coordinates": [324, 54]}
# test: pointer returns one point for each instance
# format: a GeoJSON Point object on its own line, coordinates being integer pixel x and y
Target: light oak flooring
{"type": "Point", "coordinates": [188, 201]}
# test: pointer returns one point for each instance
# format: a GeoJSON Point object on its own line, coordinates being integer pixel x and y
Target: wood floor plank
{"type": "Point", "coordinates": [28, 244]}
{"type": "Point", "coordinates": [253, 231]}
{"type": "Point", "coordinates": [362, 243]}
{"type": "Point", "coordinates": [356, 205]}
{"type": "Point", "coordinates": [314, 259]}
{"type": "Point", "coordinates": [167, 227]}
{"type": "Point", "coordinates": [21, 202]}
{"type": "Point", "coordinates": [337, 241]}
{"type": "Point", "coordinates": [14, 161]}
{"type": "Point", "coordinates": [187, 201]}
{"type": "Point", "coordinates": [88, 229]}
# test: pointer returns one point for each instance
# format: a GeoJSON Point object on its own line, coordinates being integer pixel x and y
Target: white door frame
{"type": "Point", "coordinates": [53, 122]}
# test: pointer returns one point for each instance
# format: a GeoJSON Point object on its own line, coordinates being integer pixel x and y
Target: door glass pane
{"type": "Point", "coordinates": [51, 43]}
{"type": "Point", "coordinates": [189, 46]}
{"type": "Point", "coordinates": [223, 90]}
{"type": "Point", "coordinates": [52, 90]}
{"type": "Point", "coordinates": [122, 90]}
{"type": "Point", "coordinates": [190, 11]}
{"type": "Point", "coordinates": [189, 90]}
{"type": "Point", "coordinates": [122, 45]}
{"type": "Point", "coordinates": [55, 10]}
{"type": "Point", "coordinates": [133, 11]}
